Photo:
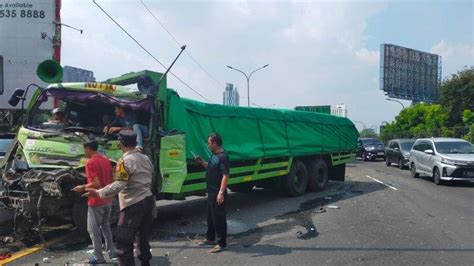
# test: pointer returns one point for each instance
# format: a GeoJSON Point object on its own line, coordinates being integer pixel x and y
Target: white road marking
{"type": "Point", "coordinates": [378, 181]}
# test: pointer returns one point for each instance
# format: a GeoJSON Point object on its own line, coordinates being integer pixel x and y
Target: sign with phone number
{"type": "Point", "coordinates": [13, 13]}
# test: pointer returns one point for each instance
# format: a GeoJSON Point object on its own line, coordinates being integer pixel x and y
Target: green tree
{"type": "Point", "coordinates": [367, 133]}
{"type": "Point", "coordinates": [421, 120]}
{"type": "Point", "coordinates": [457, 95]}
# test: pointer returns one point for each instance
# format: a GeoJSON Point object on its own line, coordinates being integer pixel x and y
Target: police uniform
{"type": "Point", "coordinates": [133, 181]}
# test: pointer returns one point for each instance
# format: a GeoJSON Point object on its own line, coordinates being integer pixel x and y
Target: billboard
{"type": "Point", "coordinates": [409, 74]}
{"type": "Point", "coordinates": [27, 30]}
{"type": "Point", "coordinates": [325, 109]}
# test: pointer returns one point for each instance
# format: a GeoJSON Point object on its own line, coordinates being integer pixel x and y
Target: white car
{"type": "Point", "coordinates": [445, 159]}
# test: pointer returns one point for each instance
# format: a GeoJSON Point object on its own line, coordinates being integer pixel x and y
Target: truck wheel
{"type": "Point", "coordinates": [413, 171]}
{"type": "Point", "coordinates": [318, 175]}
{"type": "Point", "coordinates": [295, 183]}
{"type": "Point", "coordinates": [242, 188]}
{"type": "Point", "coordinates": [437, 177]}
{"type": "Point", "coordinates": [79, 215]}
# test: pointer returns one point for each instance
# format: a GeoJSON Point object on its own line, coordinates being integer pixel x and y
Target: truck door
{"type": "Point", "coordinates": [173, 167]}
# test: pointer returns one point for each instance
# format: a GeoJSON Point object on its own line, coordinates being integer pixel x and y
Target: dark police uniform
{"type": "Point", "coordinates": [217, 166]}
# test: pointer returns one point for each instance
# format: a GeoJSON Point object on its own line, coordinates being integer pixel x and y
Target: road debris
{"type": "Point", "coordinates": [46, 260]}
{"type": "Point", "coordinates": [321, 210]}
{"type": "Point", "coordinates": [8, 240]}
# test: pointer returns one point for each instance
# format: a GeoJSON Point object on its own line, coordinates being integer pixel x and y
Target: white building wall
{"type": "Point", "coordinates": [339, 110]}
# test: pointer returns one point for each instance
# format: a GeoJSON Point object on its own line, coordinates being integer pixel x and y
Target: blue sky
{"type": "Point", "coordinates": [320, 52]}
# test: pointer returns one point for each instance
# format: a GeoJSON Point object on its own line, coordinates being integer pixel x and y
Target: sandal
{"type": "Point", "coordinates": [216, 249]}
{"type": "Point", "coordinates": [205, 242]}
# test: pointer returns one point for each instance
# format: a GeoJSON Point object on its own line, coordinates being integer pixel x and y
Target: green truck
{"type": "Point", "coordinates": [289, 151]}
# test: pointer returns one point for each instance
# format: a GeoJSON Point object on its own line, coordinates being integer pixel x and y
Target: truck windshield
{"type": "Point", "coordinates": [82, 112]}
{"type": "Point", "coordinates": [462, 147]}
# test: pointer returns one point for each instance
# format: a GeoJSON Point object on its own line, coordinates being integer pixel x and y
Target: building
{"type": "Point", "coordinates": [28, 37]}
{"type": "Point", "coordinates": [74, 74]}
{"type": "Point", "coordinates": [231, 95]}
{"type": "Point", "coordinates": [339, 110]}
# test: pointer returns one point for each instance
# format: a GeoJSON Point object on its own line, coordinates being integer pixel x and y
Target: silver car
{"type": "Point", "coordinates": [445, 159]}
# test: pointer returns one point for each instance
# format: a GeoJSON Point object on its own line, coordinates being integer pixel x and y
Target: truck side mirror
{"type": "Point", "coordinates": [16, 97]}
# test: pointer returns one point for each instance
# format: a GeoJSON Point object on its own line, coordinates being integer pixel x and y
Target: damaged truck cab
{"type": "Point", "coordinates": [46, 159]}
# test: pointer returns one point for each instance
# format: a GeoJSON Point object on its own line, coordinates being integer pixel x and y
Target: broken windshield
{"type": "Point", "coordinates": [82, 112]}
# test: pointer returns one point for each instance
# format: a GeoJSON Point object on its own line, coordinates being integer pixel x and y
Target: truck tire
{"type": "Point", "coordinates": [242, 188]}
{"type": "Point", "coordinates": [318, 175]}
{"type": "Point", "coordinates": [295, 183]}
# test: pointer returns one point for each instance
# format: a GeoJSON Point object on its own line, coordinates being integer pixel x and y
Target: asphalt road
{"type": "Point", "coordinates": [383, 217]}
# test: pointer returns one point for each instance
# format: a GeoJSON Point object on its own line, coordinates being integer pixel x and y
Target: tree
{"type": "Point", "coordinates": [367, 133]}
{"type": "Point", "coordinates": [457, 95]}
{"type": "Point", "coordinates": [421, 120]}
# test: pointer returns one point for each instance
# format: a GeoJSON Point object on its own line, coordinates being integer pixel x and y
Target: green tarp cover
{"type": "Point", "coordinates": [256, 132]}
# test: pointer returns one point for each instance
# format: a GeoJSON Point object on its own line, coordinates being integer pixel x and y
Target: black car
{"type": "Point", "coordinates": [5, 140]}
{"type": "Point", "coordinates": [370, 149]}
{"type": "Point", "coordinates": [398, 151]}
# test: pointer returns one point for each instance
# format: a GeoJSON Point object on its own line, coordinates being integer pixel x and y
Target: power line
{"type": "Point", "coordinates": [179, 44]}
{"type": "Point", "coordinates": [148, 52]}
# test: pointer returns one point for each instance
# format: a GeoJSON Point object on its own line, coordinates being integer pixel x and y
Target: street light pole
{"type": "Point", "coordinates": [247, 77]}
{"type": "Point", "coordinates": [393, 100]}
{"type": "Point", "coordinates": [365, 127]}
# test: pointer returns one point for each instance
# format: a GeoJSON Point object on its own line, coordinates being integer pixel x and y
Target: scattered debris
{"type": "Point", "coordinates": [46, 260]}
{"type": "Point", "coordinates": [332, 207]}
{"type": "Point", "coordinates": [167, 254]}
{"type": "Point", "coordinates": [321, 210]}
{"type": "Point", "coordinates": [8, 240]}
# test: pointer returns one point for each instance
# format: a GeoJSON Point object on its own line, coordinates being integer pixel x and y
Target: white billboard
{"type": "Point", "coordinates": [26, 32]}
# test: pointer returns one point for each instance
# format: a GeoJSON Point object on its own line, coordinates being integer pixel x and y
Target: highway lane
{"type": "Point", "coordinates": [417, 223]}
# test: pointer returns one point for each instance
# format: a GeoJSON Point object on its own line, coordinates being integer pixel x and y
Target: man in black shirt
{"type": "Point", "coordinates": [217, 175]}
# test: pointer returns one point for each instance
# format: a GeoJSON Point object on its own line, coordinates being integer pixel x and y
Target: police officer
{"type": "Point", "coordinates": [133, 180]}
{"type": "Point", "coordinates": [217, 175]}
